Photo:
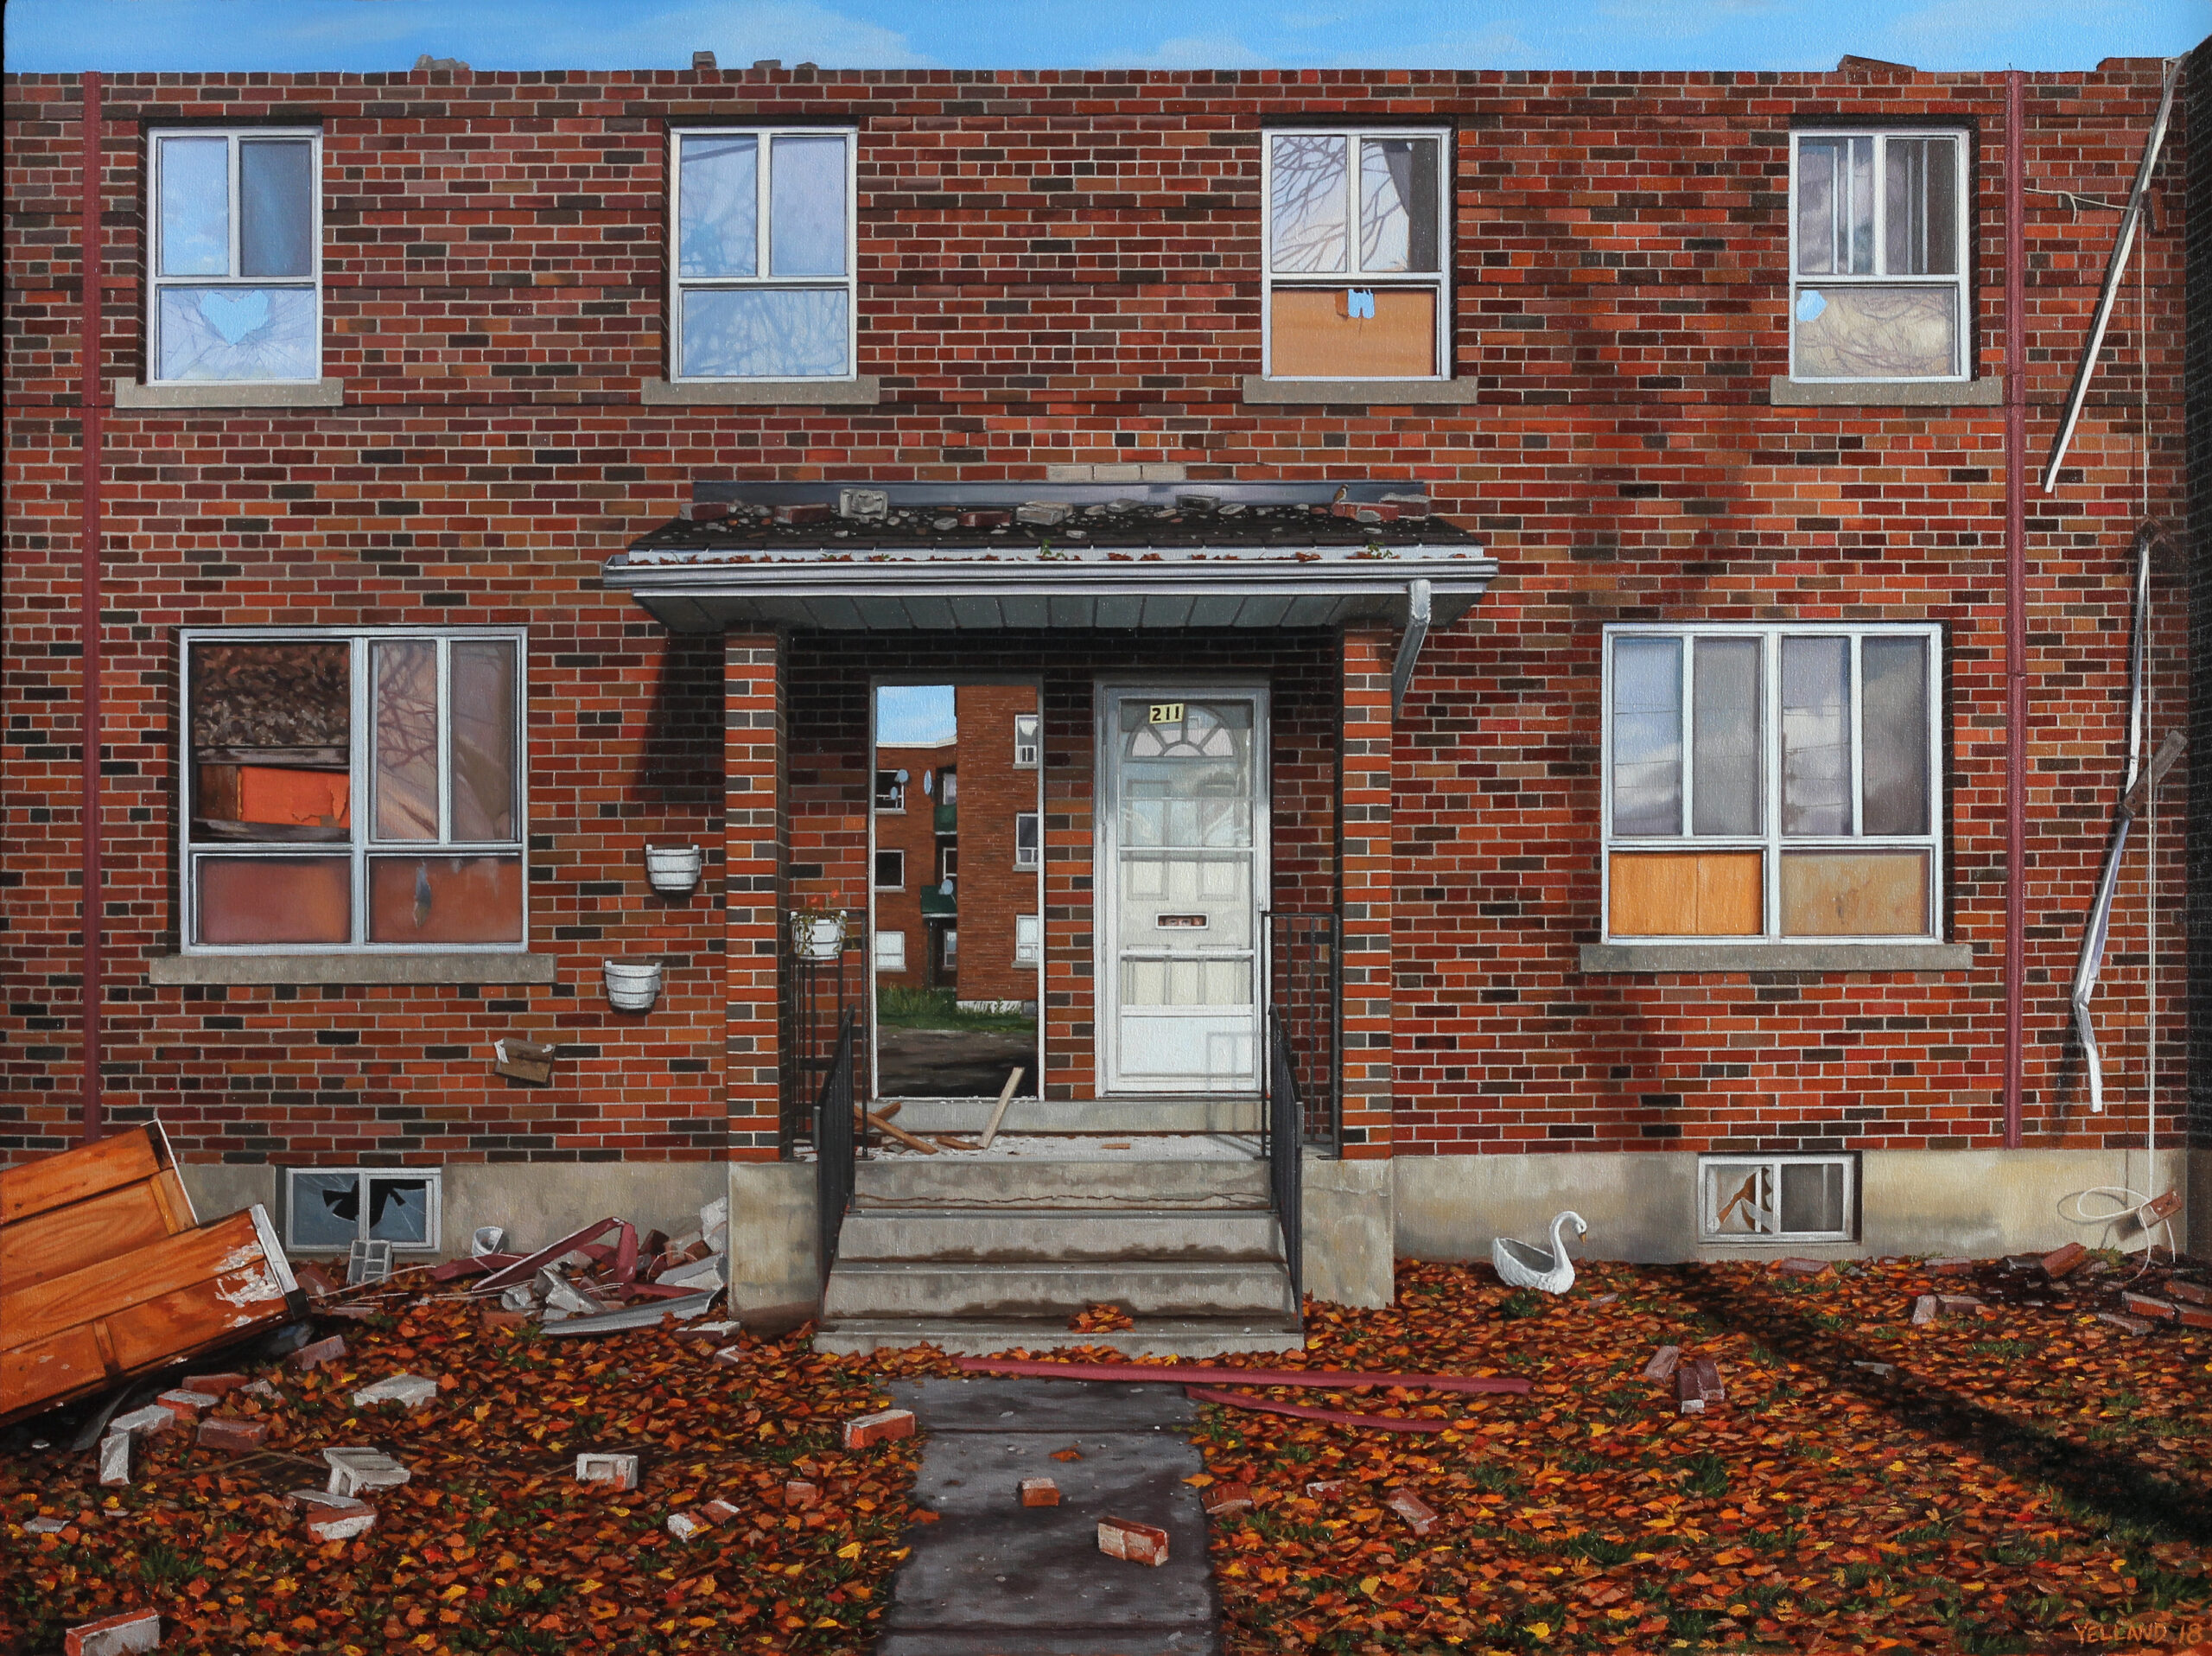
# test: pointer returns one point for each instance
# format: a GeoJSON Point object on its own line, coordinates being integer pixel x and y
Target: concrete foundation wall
{"type": "Point", "coordinates": [538, 1202]}
{"type": "Point", "coordinates": [1643, 1206]}
{"type": "Point", "coordinates": [1348, 1230]}
{"type": "Point", "coordinates": [219, 1189]}
{"type": "Point", "coordinates": [774, 1264]}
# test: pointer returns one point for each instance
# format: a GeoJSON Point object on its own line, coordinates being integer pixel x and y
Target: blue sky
{"type": "Point", "coordinates": [51, 36]}
{"type": "Point", "coordinates": [913, 716]}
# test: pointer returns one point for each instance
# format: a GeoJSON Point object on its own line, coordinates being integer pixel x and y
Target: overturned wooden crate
{"type": "Point", "coordinates": [106, 1273]}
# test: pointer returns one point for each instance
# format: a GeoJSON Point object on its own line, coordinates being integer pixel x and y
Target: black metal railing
{"type": "Point", "coordinates": [818, 995]}
{"type": "Point", "coordinates": [1306, 1000]}
{"type": "Point", "coordinates": [1285, 1139]}
{"type": "Point", "coordinates": [836, 1145]}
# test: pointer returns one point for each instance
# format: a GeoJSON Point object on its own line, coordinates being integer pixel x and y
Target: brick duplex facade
{"type": "Point", "coordinates": [1062, 270]}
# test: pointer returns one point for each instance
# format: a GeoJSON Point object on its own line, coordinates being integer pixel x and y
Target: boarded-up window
{"type": "Point", "coordinates": [1354, 254]}
{"type": "Point", "coordinates": [290, 735]}
{"type": "Point", "coordinates": [1771, 782]}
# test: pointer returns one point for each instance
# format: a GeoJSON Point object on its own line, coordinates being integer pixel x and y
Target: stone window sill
{"type": "Point", "coordinates": [1258, 389]}
{"type": "Point", "coordinates": [1774, 957]}
{"type": "Point", "coordinates": [428, 966]}
{"type": "Point", "coordinates": [320, 393]}
{"type": "Point", "coordinates": [866, 392]}
{"type": "Point", "coordinates": [1987, 392]}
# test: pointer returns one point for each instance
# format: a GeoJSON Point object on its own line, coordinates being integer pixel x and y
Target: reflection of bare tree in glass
{"type": "Point", "coordinates": [1871, 333]}
{"type": "Point", "coordinates": [719, 230]}
{"type": "Point", "coordinates": [1307, 203]}
{"type": "Point", "coordinates": [407, 740]}
{"type": "Point", "coordinates": [765, 332]}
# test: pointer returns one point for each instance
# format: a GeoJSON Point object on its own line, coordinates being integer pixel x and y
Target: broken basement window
{"type": "Point", "coordinates": [1777, 1198]}
{"type": "Point", "coordinates": [352, 791]}
{"type": "Point", "coordinates": [333, 1209]}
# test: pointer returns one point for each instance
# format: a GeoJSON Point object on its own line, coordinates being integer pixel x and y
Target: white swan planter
{"type": "Point", "coordinates": [1519, 1265]}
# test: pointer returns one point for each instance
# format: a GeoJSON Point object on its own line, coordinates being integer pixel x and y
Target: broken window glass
{"type": "Point", "coordinates": [1878, 333]}
{"type": "Point", "coordinates": [1869, 211]}
{"type": "Point", "coordinates": [234, 297]}
{"type": "Point", "coordinates": [399, 1211]}
{"type": "Point", "coordinates": [325, 1209]}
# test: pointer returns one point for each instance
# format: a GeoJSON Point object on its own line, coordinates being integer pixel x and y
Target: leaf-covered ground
{"type": "Point", "coordinates": [2023, 1478]}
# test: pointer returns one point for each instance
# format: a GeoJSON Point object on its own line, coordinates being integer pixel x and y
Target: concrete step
{"type": "Point", "coordinates": [1143, 1288]}
{"type": "Point", "coordinates": [1064, 1236]}
{"type": "Point", "coordinates": [976, 1182]}
{"type": "Point", "coordinates": [1151, 1337]}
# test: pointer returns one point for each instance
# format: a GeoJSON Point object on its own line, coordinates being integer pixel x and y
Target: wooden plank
{"type": "Point", "coordinates": [66, 1239]}
{"type": "Point", "coordinates": [228, 1252]}
{"type": "Point", "coordinates": [191, 1319]}
{"type": "Point", "coordinates": [1854, 893]}
{"type": "Point", "coordinates": [35, 1376]}
{"type": "Point", "coordinates": [52, 1182]}
{"type": "Point", "coordinates": [1684, 894]}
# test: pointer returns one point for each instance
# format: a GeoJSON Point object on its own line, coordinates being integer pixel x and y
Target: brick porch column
{"type": "Point", "coordinates": [1363, 880]}
{"type": "Point", "coordinates": [755, 831]}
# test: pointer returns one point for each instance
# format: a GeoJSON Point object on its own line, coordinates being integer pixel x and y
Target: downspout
{"type": "Point", "coordinates": [2016, 616]}
{"type": "Point", "coordinates": [93, 277]}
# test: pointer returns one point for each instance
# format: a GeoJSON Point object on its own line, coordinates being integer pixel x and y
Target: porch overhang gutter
{"type": "Point", "coordinates": [924, 589]}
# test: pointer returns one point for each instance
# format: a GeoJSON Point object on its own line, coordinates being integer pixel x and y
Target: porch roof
{"type": "Point", "coordinates": [944, 556]}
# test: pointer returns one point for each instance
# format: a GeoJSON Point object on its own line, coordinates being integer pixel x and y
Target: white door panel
{"type": "Point", "coordinates": [1182, 855]}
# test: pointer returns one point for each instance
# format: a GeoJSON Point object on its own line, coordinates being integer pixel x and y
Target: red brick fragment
{"type": "Point", "coordinates": [1697, 1383]}
{"type": "Point", "coordinates": [1958, 1302]}
{"type": "Point", "coordinates": [879, 1428]}
{"type": "Point", "coordinates": [1416, 1512]}
{"type": "Point", "coordinates": [186, 1405]}
{"type": "Point", "coordinates": [1325, 1489]}
{"type": "Point", "coordinates": [2195, 1293]}
{"type": "Point", "coordinates": [718, 1513]}
{"type": "Point", "coordinates": [2147, 1305]}
{"type": "Point", "coordinates": [233, 1437]}
{"type": "Point", "coordinates": [114, 1635]}
{"type": "Point", "coordinates": [1661, 1366]}
{"type": "Point", "coordinates": [1804, 1267]}
{"type": "Point", "coordinates": [323, 1351]}
{"type": "Point", "coordinates": [798, 1494]}
{"type": "Point", "coordinates": [1139, 1543]}
{"type": "Point", "coordinates": [1039, 1492]}
{"type": "Point", "coordinates": [1951, 1267]}
{"type": "Point", "coordinates": [313, 1278]}
{"type": "Point", "coordinates": [215, 1386]}
{"type": "Point", "coordinates": [985, 520]}
{"type": "Point", "coordinates": [2126, 1324]}
{"type": "Point", "coordinates": [1925, 1310]}
{"type": "Point", "coordinates": [1223, 1498]}
{"type": "Point", "coordinates": [2194, 1316]}
{"type": "Point", "coordinates": [2059, 1261]}
{"type": "Point", "coordinates": [805, 511]}
{"type": "Point", "coordinates": [327, 1524]}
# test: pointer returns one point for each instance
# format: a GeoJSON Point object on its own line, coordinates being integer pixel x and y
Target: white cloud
{"type": "Point", "coordinates": [1191, 52]}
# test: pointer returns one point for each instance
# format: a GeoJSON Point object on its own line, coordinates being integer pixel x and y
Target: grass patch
{"type": "Point", "coordinates": [900, 1007]}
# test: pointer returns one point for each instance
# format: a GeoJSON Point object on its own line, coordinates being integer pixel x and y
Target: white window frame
{"type": "Point", "coordinates": [1708, 1190]}
{"type": "Point", "coordinates": [435, 1177]}
{"type": "Point", "coordinates": [1028, 940]}
{"type": "Point", "coordinates": [1352, 276]}
{"type": "Point", "coordinates": [897, 792]}
{"type": "Point", "coordinates": [156, 284]}
{"type": "Point", "coordinates": [362, 846]}
{"type": "Point", "coordinates": [1029, 856]}
{"type": "Point", "coordinates": [1772, 843]}
{"type": "Point", "coordinates": [889, 944]}
{"type": "Point", "coordinates": [876, 873]}
{"type": "Point", "coordinates": [678, 283]}
{"type": "Point", "coordinates": [1029, 741]}
{"type": "Point", "coordinates": [1961, 282]}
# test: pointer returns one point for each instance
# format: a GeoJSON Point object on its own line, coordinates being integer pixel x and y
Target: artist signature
{"type": "Point", "coordinates": [2128, 1633]}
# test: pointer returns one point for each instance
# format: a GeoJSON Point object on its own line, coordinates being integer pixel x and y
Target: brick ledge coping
{"type": "Point", "coordinates": [428, 966]}
{"type": "Point", "coordinates": [1775, 957]}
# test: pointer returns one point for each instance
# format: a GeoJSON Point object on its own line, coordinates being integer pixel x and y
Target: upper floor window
{"type": "Point", "coordinates": [1771, 782]}
{"type": "Point", "coordinates": [1028, 839]}
{"type": "Point", "coordinates": [1026, 739]}
{"type": "Point", "coordinates": [763, 272]}
{"type": "Point", "coordinates": [1878, 237]}
{"type": "Point", "coordinates": [890, 790]}
{"type": "Point", "coordinates": [237, 258]}
{"type": "Point", "coordinates": [890, 870]}
{"type": "Point", "coordinates": [1354, 255]}
{"type": "Point", "coordinates": [353, 790]}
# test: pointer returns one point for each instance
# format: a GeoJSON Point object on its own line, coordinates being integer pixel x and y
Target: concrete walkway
{"type": "Point", "coordinates": [991, 1577]}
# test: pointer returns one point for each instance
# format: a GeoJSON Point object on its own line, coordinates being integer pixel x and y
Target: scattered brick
{"type": "Point", "coordinates": [1950, 1303]}
{"type": "Point", "coordinates": [618, 1471]}
{"type": "Point", "coordinates": [683, 1525]}
{"type": "Point", "coordinates": [1224, 1499]}
{"type": "Point", "coordinates": [718, 1513]}
{"type": "Point", "coordinates": [2059, 1261]}
{"type": "Point", "coordinates": [1417, 1513]}
{"type": "Point", "coordinates": [1697, 1383]}
{"type": "Point", "coordinates": [1661, 1366]}
{"type": "Point", "coordinates": [2195, 1293]}
{"type": "Point", "coordinates": [152, 1418]}
{"type": "Point", "coordinates": [340, 1522]}
{"type": "Point", "coordinates": [1804, 1267]}
{"type": "Point", "coordinates": [115, 1460]}
{"type": "Point", "coordinates": [309, 1358]}
{"type": "Point", "coordinates": [798, 1494]}
{"type": "Point", "coordinates": [412, 1390]}
{"type": "Point", "coordinates": [1326, 1489]}
{"type": "Point", "coordinates": [2148, 1305]}
{"type": "Point", "coordinates": [352, 1470]}
{"type": "Point", "coordinates": [187, 1405]}
{"type": "Point", "coordinates": [115, 1635]}
{"type": "Point", "coordinates": [233, 1437]}
{"type": "Point", "coordinates": [879, 1428]}
{"type": "Point", "coordinates": [1925, 1310]}
{"type": "Point", "coordinates": [1951, 1267]}
{"type": "Point", "coordinates": [2194, 1316]}
{"type": "Point", "coordinates": [216, 1386]}
{"type": "Point", "coordinates": [2126, 1324]}
{"type": "Point", "coordinates": [1039, 1492]}
{"type": "Point", "coordinates": [1139, 1543]}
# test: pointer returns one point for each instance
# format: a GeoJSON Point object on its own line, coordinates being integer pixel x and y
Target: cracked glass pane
{"type": "Point", "coordinates": [1877, 332]}
{"type": "Point", "coordinates": [765, 332]}
{"type": "Point", "coordinates": [1648, 735]}
{"type": "Point", "coordinates": [1397, 204]}
{"type": "Point", "coordinates": [195, 206]}
{"type": "Point", "coordinates": [1305, 204]}
{"type": "Point", "coordinates": [1815, 735]}
{"type": "Point", "coordinates": [276, 209]}
{"type": "Point", "coordinates": [399, 1211]}
{"type": "Point", "coordinates": [716, 233]}
{"type": "Point", "coordinates": [1921, 205]}
{"type": "Point", "coordinates": [239, 334]}
{"type": "Point", "coordinates": [325, 1209]}
{"type": "Point", "coordinates": [1835, 206]}
{"type": "Point", "coordinates": [806, 207]}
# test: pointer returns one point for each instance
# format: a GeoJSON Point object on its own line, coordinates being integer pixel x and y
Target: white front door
{"type": "Point", "coordinates": [1182, 839]}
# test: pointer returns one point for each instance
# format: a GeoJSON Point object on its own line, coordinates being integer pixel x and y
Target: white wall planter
{"type": "Point", "coordinates": [631, 985]}
{"type": "Point", "coordinates": [674, 869]}
{"type": "Point", "coordinates": [819, 937]}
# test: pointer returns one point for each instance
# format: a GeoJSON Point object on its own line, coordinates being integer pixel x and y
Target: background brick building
{"type": "Point", "coordinates": [1059, 277]}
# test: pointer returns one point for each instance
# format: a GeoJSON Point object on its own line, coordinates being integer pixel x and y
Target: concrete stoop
{"type": "Point", "coordinates": [981, 1257]}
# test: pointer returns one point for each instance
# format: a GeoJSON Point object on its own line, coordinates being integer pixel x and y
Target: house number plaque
{"type": "Point", "coordinates": [1167, 713]}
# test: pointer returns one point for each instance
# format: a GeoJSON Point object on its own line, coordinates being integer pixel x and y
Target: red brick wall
{"type": "Point", "coordinates": [1063, 268]}
{"type": "Point", "coordinates": [914, 832]}
{"type": "Point", "coordinates": [992, 890]}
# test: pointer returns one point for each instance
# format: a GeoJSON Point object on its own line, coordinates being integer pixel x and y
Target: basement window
{"type": "Point", "coordinates": [1778, 1198]}
{"type": "Point", "coordinates": [353, 791]}
{"type": "Point", "coordinates": [331, 1208]}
